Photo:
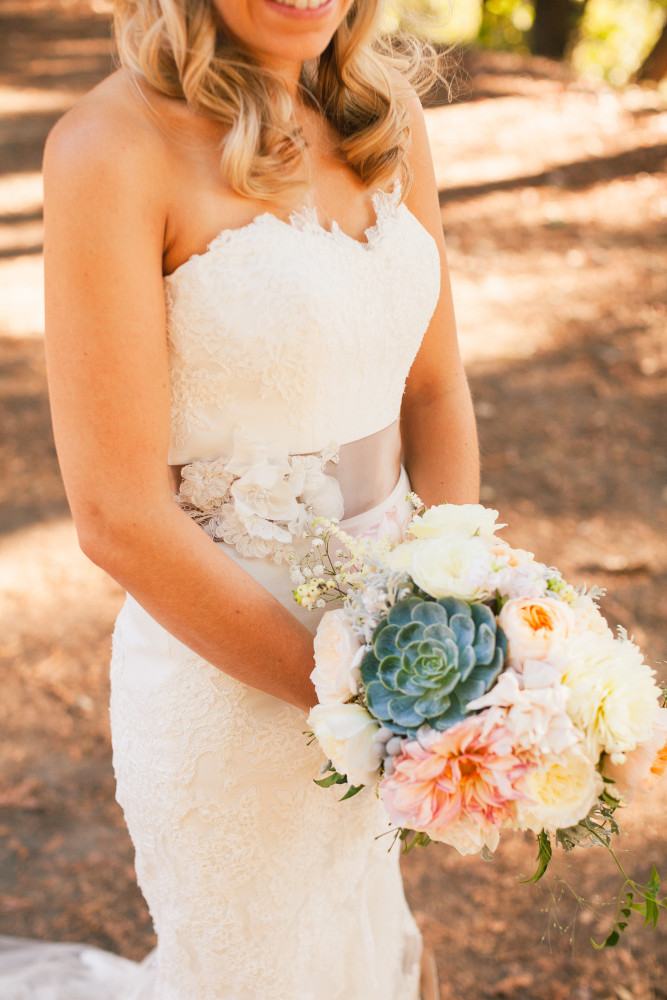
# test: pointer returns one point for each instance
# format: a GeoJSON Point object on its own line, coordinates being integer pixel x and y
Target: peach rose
{"type": "Point", "coordinates": [534, 627]}
{"type": "Point", "coordinates": [642, 766]}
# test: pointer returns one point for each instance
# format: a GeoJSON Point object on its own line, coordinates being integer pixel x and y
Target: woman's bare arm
{"type": "Point", "coordinates": [106, 197]}
{"type": "Point", "coordinates": [437, 419]}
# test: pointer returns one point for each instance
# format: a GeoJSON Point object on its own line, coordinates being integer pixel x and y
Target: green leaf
{"type": "Point", "coordinates": [652, 912]}
{"type": "Point", "coordinates": [331, 779]}
{"type": "Point", "coordinates": [653, 887]}
{"type": "Point", "coordinates": [543, 858]}
{"type": "Point", "coordinates": [352, 790]}
{"type": "Point", "coordinates": [610, 941]}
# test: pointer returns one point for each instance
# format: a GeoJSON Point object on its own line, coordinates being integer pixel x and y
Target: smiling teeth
{"type": "Point", "coordinates": [303, 4]}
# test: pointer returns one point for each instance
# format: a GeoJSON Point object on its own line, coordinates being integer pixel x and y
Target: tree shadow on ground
{"type": "Point", "coordinates": [576, 175]}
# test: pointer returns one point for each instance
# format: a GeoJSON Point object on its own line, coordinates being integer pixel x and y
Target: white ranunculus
{"type": "Point", "coordinates": [451, 519]}
{"type": "Point", "coordinates": [263, 491]}
{"type": "Point", "coordinates": [535, 628]}
{"type": "Point", "coordinates": [614, 698]}
{"type": "Point", "coordinates": [562, 791]}
{"type": "Point", "coordinates": [451, 567]}
{"type": "Point", "coordinates": [337, 653]}
{"type": "Point", "coordinates": [346, 734]}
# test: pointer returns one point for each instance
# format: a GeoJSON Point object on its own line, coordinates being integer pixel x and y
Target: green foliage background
{"type": "Point", "coordinates": [613, 39]}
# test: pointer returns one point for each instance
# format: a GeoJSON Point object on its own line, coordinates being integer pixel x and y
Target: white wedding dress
{"type": "Point", "coordinates": [261, 885]}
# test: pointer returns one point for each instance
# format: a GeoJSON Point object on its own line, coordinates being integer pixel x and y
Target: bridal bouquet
{"type": "Point", "coordinates": [479, 691]}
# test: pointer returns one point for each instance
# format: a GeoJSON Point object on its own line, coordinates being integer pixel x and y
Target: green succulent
{"type": "Point", "coordinates": [428, 659]}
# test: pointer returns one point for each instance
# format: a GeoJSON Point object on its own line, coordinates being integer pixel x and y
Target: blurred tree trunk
{"type": "Point", "coordinates": [555, 21]}
{"type": "Point", "coordinates": [654, 66]}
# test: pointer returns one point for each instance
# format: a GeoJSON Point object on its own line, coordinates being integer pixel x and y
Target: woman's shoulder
{"type": "Point", "coordinates": [108, 134]}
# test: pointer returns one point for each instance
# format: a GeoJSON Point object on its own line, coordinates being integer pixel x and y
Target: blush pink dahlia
{"type": "Point", "coordinates": [461, 790]}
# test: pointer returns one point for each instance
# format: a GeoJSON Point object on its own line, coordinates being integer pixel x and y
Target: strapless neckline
{"type": "Point", "coordinates": [306, 219]}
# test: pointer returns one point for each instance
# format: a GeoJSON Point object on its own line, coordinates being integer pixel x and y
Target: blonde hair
{"type": "Point", "coordinates": [360, 84]}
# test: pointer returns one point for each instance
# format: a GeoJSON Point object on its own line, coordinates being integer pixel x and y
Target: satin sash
{"type": "Point", "coordinates": [367, 469]}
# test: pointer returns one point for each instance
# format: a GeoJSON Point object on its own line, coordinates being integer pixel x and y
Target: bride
{"type": "Point", "coordinates": [248, 313]}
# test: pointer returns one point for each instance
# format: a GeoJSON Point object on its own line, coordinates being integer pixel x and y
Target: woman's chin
{"type": "Point", "coordinates": [284, 30]}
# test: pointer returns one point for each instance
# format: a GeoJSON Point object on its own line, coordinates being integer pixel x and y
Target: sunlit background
{"type": "Point", "coordinates": [601, 39]}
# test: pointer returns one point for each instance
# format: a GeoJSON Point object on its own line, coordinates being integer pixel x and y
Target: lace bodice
{"type": "Point", "coordinates": [297, 333]}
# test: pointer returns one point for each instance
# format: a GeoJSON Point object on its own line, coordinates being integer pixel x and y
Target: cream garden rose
{"type": "Point", "coordinates": [346, 734]}
{"type": "Point", "coordinates": [534, 628]}
{"type": "Point", "coordinates": [451, 519]}
{"type": "Point", "coordinates": [560, 792]}
{"type": "Point", "coordinates": [338, 652]}
{"type": "Point", "coordinates": [452, 567]}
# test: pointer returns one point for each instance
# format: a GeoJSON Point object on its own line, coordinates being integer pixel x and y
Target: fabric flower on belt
{"type": "Point", "coordinates": [264, 491]}
{"type": "Point", "coordinates": [261, 498]}
{"type": "Point", "coordinates": [320, 493]}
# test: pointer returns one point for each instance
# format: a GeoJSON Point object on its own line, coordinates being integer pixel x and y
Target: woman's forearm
{"type": "Point", "coordinates": [440, 446]}
{"type": "Point", "coordinates": [205, 599]}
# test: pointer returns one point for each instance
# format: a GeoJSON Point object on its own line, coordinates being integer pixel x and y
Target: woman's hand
{"type": "Point", "coordinates": [107, 192]}
{"type": "Point", "coordinates": [437, 420]}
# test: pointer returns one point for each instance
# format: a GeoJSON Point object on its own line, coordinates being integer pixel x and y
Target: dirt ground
{"type": "Point", "coordinates": [554, 202]}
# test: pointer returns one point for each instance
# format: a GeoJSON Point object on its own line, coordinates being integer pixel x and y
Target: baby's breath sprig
{"type": "Point", "coordinates": [334, 563]}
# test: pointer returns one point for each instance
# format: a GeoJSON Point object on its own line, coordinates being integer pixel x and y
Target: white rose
{"type": "Point", "coordinates": [562, 792]}
{"type": "Point", "coordinates": [535, 628]}
{"type": "Point", "coordinates": [449, 518]}
{"type": "Point", "coordinates": [338, 651]}
{"type": "Point", "coordinates": [613, 695]}
{"type": "Point", "coordinates": [457, 567]}
{"type": "Point", "coordinates": [346, 734]}
{"type": "Point", "coordinates": [263, 491]}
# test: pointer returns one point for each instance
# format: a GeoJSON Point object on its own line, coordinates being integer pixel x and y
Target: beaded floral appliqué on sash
{"type": "Point", "coordinates": [261, 499]}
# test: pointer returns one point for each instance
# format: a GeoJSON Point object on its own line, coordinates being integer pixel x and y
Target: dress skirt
{"type": "Point", "coordinates": [261, 884]}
